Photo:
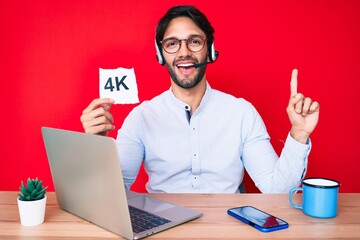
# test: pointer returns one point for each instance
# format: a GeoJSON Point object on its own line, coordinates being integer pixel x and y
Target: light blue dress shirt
{"type": "Point", "coordinates": [206, 153]}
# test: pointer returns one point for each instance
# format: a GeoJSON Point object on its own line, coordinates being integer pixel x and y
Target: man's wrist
{"type": "Point", "coordinates": [299, 136]}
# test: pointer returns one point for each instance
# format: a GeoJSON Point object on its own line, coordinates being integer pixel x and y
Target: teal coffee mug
{"type": "Point", "coordinates": [319, 197]}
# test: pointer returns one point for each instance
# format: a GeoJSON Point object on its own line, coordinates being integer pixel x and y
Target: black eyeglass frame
{"type": "Point", "coordinates": [187, 40]}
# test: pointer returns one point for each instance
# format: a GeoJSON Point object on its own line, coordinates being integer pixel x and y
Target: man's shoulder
{"type": "Point", "coordinates": [218, 95]}
{"type": "Point", "coordinates": [154, 102]}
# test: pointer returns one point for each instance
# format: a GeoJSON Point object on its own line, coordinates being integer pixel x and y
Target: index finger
{"type": "Point", "coordinates": [293, 82]}
{"type": "Point", "coordinates": [97, 102]}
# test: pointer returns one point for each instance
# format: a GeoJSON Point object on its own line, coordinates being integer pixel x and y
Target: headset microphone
{"type": "Point", "coordinates": [197, 65]}
{"type": "Point", "coordinates": [213, 55]}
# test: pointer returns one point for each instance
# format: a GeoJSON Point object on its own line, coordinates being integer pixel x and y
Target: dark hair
{"type": "Point", "coordinates": [185, 11]}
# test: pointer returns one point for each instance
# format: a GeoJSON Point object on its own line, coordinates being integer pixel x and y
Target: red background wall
{"type": "Point", "coordinates": [51, 53]}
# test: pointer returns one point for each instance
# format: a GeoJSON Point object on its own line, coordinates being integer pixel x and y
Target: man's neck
{"type": "Point", "coordinates": [191, 96]}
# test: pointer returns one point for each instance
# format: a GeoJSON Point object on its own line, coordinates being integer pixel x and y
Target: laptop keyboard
{"type": "Point", "coordinates": [142, 220]}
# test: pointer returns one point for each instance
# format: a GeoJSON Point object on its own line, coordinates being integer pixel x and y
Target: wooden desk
{"type": "Point", "coordinates": [214, 224]}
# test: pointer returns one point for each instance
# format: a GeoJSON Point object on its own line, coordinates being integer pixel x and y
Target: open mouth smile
{"type": "Point", "coordinates": [186, 68]}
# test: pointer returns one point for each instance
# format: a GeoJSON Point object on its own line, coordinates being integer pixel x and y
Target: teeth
{"type": "Point", "coordinates": [185, 65]}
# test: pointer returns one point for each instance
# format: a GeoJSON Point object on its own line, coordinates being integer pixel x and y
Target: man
{"type": "Point", "coordinates": [195, 139]}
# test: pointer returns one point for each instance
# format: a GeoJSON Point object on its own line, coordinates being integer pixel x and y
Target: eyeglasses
{"type": "Point", "coordinates": [195, 43]}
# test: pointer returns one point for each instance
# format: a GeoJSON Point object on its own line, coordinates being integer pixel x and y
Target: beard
{"type": "Point", "coordinates": [186, 82]}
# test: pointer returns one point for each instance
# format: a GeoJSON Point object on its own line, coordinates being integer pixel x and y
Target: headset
{"type": "Point", "coordinates": [213, 54]}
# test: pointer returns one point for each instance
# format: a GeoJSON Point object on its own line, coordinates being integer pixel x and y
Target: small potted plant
{"type": "Point", "coordinates": [32, 202]}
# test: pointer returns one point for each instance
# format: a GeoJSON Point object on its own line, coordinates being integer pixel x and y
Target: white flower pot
{"type": "Point", "coordinates": [32, 213]}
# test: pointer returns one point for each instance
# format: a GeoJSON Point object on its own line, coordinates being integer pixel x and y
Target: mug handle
{"type": "Point", "coordinates": [291, 198]}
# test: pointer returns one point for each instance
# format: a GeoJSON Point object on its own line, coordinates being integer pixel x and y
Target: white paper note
{"type": "Point", "coordinates": [119, 84]}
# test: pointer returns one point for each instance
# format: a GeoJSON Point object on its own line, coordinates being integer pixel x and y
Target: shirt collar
{"type": "Point", "coordinates": [183, 105]}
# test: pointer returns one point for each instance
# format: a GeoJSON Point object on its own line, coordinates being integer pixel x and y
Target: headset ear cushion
{"type": "Point", "coordinates": [159, 55]}
{"type": "Point", "coordinates": [212, 53]}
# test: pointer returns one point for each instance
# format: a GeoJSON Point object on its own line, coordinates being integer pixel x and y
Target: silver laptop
{"type": "Point", "coordinates": [88, 182]}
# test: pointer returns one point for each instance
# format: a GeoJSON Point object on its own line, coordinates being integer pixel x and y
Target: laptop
{"type": "Point", "coordinates": [88, 183]}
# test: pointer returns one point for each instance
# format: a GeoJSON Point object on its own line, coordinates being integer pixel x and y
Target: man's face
{"type": "Point", "coordinates": [181, 64]}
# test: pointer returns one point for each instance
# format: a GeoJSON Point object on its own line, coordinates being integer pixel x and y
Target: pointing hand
{"type": "Point", "coordinates": [302, 111]}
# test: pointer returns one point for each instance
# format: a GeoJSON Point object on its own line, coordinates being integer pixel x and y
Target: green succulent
{"type": "Point", "coordinates": [33, 191]}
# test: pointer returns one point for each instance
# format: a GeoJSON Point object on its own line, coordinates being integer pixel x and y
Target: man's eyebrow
{"type": "Point", "coordinates": [189, 36]}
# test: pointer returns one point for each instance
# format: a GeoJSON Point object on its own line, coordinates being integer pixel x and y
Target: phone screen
{"type": "Point", "coordinates": [258, 219]}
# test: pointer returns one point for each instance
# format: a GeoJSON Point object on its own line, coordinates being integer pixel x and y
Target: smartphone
{"type": "Point", "coordinates": [258, 219]}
